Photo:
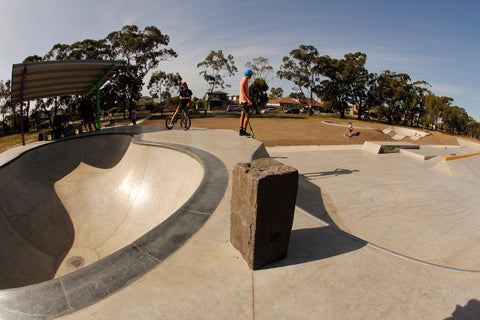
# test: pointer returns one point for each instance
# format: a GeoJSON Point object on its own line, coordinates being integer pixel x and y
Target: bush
{"type": "Point", "coordinates": [115, 110]}
{"type": "Point", "coordinates": [149, 106]}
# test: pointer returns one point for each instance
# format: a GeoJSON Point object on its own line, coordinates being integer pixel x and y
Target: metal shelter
{"type": "Point", "coordinates": [36, 80]}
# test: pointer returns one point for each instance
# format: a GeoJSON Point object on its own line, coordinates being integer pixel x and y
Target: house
{"type": "Point", "coordinates": [143, 101]}
{"type": "Point", "coordinates": [234, 99]}
{"type": "Point", "coordinates": [315, 105]}
{"type": "Point", "coordinates": [283, 103]}
{"type": "Point", "coordinates": [217, 100]}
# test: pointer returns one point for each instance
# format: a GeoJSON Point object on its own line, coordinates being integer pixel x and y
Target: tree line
{"type": "Point", "coordinates": [392, 97]}
{"type": "Point", "coordinates": [340, 84]}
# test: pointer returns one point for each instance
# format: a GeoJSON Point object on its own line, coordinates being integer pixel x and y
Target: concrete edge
{"type": "Point", "coordinates": [385, 250]}
{"type": "Point", "coordinates": [376, 146]}
{"type": "Point", "coordinates": [416, 155]}
{"type": "Point", "coordinates": [471, 144]}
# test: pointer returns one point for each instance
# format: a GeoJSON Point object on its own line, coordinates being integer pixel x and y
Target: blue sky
{"type": "Point", "coordinates": [436, 41]}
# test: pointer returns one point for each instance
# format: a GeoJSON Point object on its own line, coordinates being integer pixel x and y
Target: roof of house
{"type": "Point", "coordinates": [294, 101]}
{"type": "Point", "coordinates": [315, 104]}
{"type": "Point", "coordinates": [284, 100]}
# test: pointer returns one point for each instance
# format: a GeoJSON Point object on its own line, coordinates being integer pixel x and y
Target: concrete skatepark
{"type": "Point", "coordinates": [375, 236]}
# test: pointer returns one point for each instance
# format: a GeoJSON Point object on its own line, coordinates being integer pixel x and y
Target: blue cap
{"type": "Point", "coordinates": [248, 72]}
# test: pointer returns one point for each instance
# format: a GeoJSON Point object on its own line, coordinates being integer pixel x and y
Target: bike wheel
{"type": "Point", "coordinates": [168, 123]}
{"type": "Point", "coordinates": [185, 123]}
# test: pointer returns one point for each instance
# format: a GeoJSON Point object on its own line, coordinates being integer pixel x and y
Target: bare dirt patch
{"type": "Point", "coordinates": [295, 131]}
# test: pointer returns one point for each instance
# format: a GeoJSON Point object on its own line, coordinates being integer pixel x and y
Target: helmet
{"type": "Point", "coordinates": [248, 72]}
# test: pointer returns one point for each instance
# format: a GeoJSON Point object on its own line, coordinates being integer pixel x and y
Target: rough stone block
{"type": "Point", "coordinates": [264, 192]}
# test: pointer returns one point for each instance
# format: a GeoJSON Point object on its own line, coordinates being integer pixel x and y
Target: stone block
{"type": "Point", "coordinates": [264, 193]}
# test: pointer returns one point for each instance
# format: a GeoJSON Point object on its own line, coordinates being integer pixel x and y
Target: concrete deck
{"type": "Point", "coordinates": [375, 236]}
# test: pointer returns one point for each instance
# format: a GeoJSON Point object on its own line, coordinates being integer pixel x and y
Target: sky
{"type": "Point", "coordinates": [436, 41]}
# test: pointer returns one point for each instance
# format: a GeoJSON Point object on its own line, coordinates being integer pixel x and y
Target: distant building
{"type": "Point", "coordinates": [234, 99]}
{"type": "Point", "coordinates": [143, 101]}
{"type": "Point", "coordinates": [283, 103]}
{"type": "Point", "coordinates": [217, 100]}
{"type": "Point", "coordinates": [289, 103]}
{"type": "Point", "coordinates": [315, 105]}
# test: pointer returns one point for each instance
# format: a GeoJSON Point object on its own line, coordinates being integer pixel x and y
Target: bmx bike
{"type": "Point", "coordinates": [185, 121]}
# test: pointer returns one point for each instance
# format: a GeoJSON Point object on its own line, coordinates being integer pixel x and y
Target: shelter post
{"type": "Point", "coordinates": [98, 105]}
{"type": "Point", "coordinates": [24, 75]}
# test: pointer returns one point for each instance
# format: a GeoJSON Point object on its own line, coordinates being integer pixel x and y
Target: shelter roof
{"type": "Point", "coordinates": [35, 80]}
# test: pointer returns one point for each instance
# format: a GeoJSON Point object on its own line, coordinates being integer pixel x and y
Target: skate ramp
{"type": "Point", "coordinates": [399, 133]}
{"type": "Point", "coordinates": [69, 204]}
{"type": "Point", "coordinates": [464, 167]}
{"type": "Point", "coordinates": [35, 229]}
{"type": "Point", "coordinates": [111, 208]}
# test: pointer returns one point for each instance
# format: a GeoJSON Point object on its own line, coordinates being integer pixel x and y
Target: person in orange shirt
{"type": "Point", "coordinates": [245, 102]}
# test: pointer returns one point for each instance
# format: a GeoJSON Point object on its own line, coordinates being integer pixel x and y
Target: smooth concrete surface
{"type": "Point", "coordinates": [139, 193]}
{"type": "Point", "coordinates": [375, 236]}
{"type": "Point", "coordinates": [423, 210]}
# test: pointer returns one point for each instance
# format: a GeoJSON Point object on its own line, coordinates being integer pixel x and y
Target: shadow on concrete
{"type": "Point", "coordinates": [336, 172]}
{"type": "Point", "coordinates": [468, 312]}
{"type": "Point", "coordinates": [314, 244]}
{"type": "Point", "coordinates": [310, 199]}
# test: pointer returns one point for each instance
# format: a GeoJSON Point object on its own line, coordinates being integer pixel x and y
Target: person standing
{"type": "Point", "coordinates": [133, 115]}
{"type": "Point", "coordinates": [87, 109]}
{"type": "Point", "coordinates": [245, 102]}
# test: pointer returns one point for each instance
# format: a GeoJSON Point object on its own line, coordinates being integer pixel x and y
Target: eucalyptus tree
{"type": "Point", "coordinates": [304, 68]}
{"type": "Point", "coordinates": [333, 90]}
{"type": "Point", "coordinates": [161, 84]}
{"type": "Point", "coordinates": [215, 68]}
{"type": "Point", "coordinates": [358, 81]}
{"type": "Point", "coordinates": [455, 120]}
{"type": "Point", "coordinates": [473, 128]}
{"type": "Point", "coordinates": [142, 51]}
{"type": "Point", "coordinates": [59, 51]}
{"type": "Point", "coordinates": [33, 58]}
{"type": "Point", "coordinates": [87, 49]}
{"type": "Point", "coordinates": [434, 108]}
{"type": "Point", "coordinates": [275, 93]}
{"type": "Point", "coordinates": [261, 68]}
{"type": "Point", "coordinates": [395, 92]}
{"type": "Point", "coordinates": [258, 93]}
{"type": "Point", "coordinates": [12, 108]}
{"type": "Point", "coordinates": [5, 100]}
{"type": "Point", "coordinates": [297, 95]}
{"type": "Point", "coordinates": [416, 109]}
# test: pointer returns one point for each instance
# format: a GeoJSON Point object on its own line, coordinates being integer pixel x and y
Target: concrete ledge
{"type": "Point", "coordinates": [469, 144]}
{"type": "Point", "coordinates": [417, 154]}
{"type": "Point", "coordinates": [400, 133]}
{"type": "Point", "coordinates": [376, 146]}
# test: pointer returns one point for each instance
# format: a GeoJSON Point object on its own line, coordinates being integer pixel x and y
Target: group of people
{"type": "Point", "coordinates": [89, 117]}
{"type": "Point", "coordinates": [88, 114]}
{"type": "Point", "coordinates": [244, 99]}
